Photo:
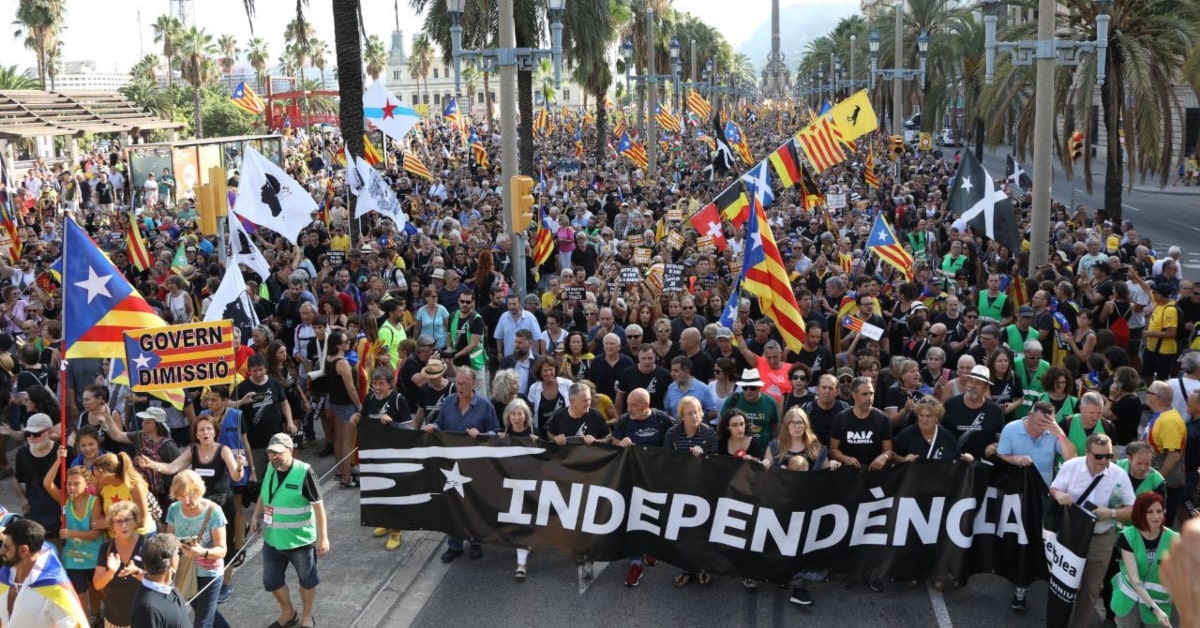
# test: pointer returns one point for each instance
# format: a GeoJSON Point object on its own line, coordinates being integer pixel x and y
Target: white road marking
{"type": "Point", "coordinates": [584, 583]}
{"type": "Point", "coordinates": [938, 602]}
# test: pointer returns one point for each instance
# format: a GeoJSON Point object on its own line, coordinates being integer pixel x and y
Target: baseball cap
{"type": "Point", "coordinates": [725, 332]}
{"type": "Point", "coordinates": [1025, 310]}
{"type": "Point", "coordinates": [845, 373]}
{"type": "Point", "coordinates": [281, 442]}
{"type": "Point", "coordinates": [154, 414]}
{"type": "Point", "coordinates": [38, 423]}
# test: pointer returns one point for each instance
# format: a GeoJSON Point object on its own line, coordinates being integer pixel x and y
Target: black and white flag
{"type": "Point", "coordinates": [270, 197]}
{"type": "Point", "coordinates": [1016, 174]}
{"type": "Point", "coordinates": [245, 251]}
{"type": "Point", "coordinates": [981, 205]}
{"type": "Point", "coordinates": [722, 161]}
{"type": "Point", "coordinates": [374, 194]}
{"type": "Point", "coordinates": [232, 302]}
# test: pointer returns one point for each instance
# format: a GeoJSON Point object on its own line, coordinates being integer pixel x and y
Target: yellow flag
{"type": "Point", "coordinates": [855, 116]}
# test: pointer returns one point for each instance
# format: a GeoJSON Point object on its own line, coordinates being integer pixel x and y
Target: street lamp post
{"type": "Point", "coordinates": [676, 72]}
{"type": "Point", "coordinates": [650, 79]}
{"type": "Point", "coordinates": [898, 74]}
{"type": "Point", "coordinates": [507, 59]}
{"type": "Point", "coordinates": [1048, 51]}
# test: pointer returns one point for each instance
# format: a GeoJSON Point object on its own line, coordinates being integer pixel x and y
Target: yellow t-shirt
{"type": "Point", "coordinates": [1163, 317]}
{"type": "Point", "coordinates": [110, 495]}
{"type": "Point", "coordinates": [603, 404]}
{"type": "Point", "coordinates": [340, 243]}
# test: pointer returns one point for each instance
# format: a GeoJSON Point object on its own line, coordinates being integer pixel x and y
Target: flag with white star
{"type": "Point", "coordinates": [982, 205]}
{"type": "Point", "coordinates": [884, 245]}
{"type": "Point", "coordinates": [100, 301]}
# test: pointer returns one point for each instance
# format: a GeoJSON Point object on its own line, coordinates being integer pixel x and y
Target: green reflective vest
{"type": "Point", "coordinates": [1124, 597]}
{"type": "Point", "coordinates": [992, 308]}
{"type": "Point", "coordinates": [293, 523]}
{"type": "Point", "coordinates": [1152, 481]}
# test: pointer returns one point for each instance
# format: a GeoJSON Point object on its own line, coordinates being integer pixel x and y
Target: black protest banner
{"type": "Point", "coordinates": [1067, 536]}
{"type": "Point", "coordinates": [672, 278]}
{"type": "Point", "coordinates": [720, 514]}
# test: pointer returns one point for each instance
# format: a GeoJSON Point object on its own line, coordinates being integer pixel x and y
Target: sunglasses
{"type": "Point", "coordinates": [1102, 456]}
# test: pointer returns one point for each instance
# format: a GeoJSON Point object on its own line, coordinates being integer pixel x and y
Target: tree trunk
{"type": "Point", "coordinates": [487, 99]}
{"type": "Point", "coordinates": [348, 49]}
{"type": "Point", "coordinates": [1111, 97]}
{"type": "Point", "coordinates": [170, 78]}
{"type": "Point", "coordinates": [525, 129]}
{"type": "Point", "coordinates": [601, 131]}
{"type": "Point", "coordinates": [199, 120]}
{"type": "Point", "coordinates": [979, 133]}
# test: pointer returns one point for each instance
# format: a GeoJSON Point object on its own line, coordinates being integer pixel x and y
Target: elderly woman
{"type": "Point", "coordinates": [431, 319]}
{"type": "Point", "coordinates": [958, 385]}
{"type": "Point", "coordinates": [548, 393]}
{"type": "Point", "coordinates": [927, 439]}
{"type": "Point", "coordinates": [901, 398]}
{"type": "Point", "coordinates": [200, 526]}
{"type": "Point", "coordinates": [935, 375]}
{"type": "Point", "coordinates": [117, 574]}
{"type": "Point", "coordinates": [518, 423]}
{"type": "Point", "coordinates": [153, 442]}
{"type": "Point", "coordinates": [1139, 598]}
{"type": "Point", "coordinates": [693, 436]}
{"type": "Point", "coordinates": [505, 387]}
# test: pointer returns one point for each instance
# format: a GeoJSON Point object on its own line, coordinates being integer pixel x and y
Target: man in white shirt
{"type": "Point", "coordinates": [1096, 485]}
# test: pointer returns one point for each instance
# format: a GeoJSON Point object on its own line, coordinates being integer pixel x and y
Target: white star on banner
{"type": "Point", "coordinates": [142, 361]}
{"type": "Point", "coordinates": [966, 184]}
{"type": "Point", "coordinates": [95, 284]}
{"type": "Point", "coordinates": [455, 480]}
{"type": "Point", "coordinates": [883, 235]}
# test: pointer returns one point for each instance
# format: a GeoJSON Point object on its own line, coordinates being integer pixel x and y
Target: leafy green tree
{"type": "Point", "coordinates": [11, 78]}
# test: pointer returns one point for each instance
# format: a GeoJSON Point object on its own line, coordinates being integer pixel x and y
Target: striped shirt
{"type": "Point", "coordinates": [678, 440]}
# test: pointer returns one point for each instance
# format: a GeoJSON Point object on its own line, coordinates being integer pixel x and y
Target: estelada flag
{"type": "Point", "coordinates": [48, 579]}
{"type": "Point", "coordinates": [189, 355]}
{"type": "Point", "coordinates": [246, 99]}
{"type": "Point", "coordinates": [765, 276]}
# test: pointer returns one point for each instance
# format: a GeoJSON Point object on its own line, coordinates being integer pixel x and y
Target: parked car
{"type": "Point", "coordinates": [946, 138]}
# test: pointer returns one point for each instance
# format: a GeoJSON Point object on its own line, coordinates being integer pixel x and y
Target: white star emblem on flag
{"type": "Point", "coordinates": [95, 284]}
{"type": "Point", "coordinates": [455, 480]}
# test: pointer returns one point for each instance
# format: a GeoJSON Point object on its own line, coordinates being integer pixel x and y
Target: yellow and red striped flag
{"type": "Point", "coordinates": [246, 100]}
{"type": "Point", "coordinates": [869, 176]}
{"type": "Point", "coordinates": [543, 240]}
{"type": "Point", "coordinates": [413, 165]}
{"type": "Point", "coordinates": [139, 254]}
{"type": "Point", "coordinates": [821, 147]}
{"type": "Point", "coordinates": [883, 243]}
{"type": "Point", "coordinates": [765, 276]}
{"type": "Point", "coordinates": [698, 105]}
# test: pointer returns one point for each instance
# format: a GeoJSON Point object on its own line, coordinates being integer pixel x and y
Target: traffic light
{"type": "Point", "coordinates": [520, 190]}
{"type": "Point", "coordinates": [1076, 145]}
{"type": "Point", "coordinates": [897, 146]}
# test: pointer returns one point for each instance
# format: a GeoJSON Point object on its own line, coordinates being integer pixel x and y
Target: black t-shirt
{"type": "Point", "coordinates": [394, 406]}
{"type": "Point", "coordinates": [30, 470]}
{"type": "Point", "coordinates": [655, 382]}
{"type": "Point", "coordinates": [431, 398]}
{"type": "Point", "coordinates": [472, 327]}
{"type": "Point", "coordinates": [819, 361]}
{"type": "Point", "coordinates": [1151, 545]}
{"type": "Point", "coordinates": [821, 420]}
{"type": "Point", "coordinates": [703, 366]}
{"type": "Point", "coordinates": [861, 439]}
{"type": "Point", "coordinates": [152, 609]}
{"type": "Point", "coordinates": [561, 422]}
{"type": "Point", "coordinates": [121, 591]}
{"type": "Point", "coordinates": [262, 418]}
{"type": "Point", "coordinates": [911, 441]}
{"type": "Point", "coordinates": [604, 375]}
{"type": "Point", "coordinates": [974, 428]}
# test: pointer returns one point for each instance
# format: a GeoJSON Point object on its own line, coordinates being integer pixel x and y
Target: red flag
{"type": "Point", "coordinates": [707, 222]}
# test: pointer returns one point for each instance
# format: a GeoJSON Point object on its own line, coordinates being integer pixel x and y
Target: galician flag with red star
{"type": "Point", "coordinates": [384, 110]}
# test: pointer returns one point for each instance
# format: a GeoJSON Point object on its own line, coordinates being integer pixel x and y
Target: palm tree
{"type": "Point", "coordinates": [11, 78]}
{"type": "Point", "coordinates": [39, 23]}
{"type": "Point", "coordinates": [299, 35]}
{"type": "Point", "coordinates": [347, 45]}
{"type": "Point", "coordinates": [965, 43]}
{"type": "Point", "coordinates": [146, 68]}
{"type": "Point", "coordinates": [146, 94]}
{"type": "Point", "coordinates": [319, 56]}
{"type": "Point", "coordinates": [589, 30]}
{"type": "Point", "coordinates": [197, 67]}
{"type": "Point", "coordinates": [167, 30]}
{"type": "Point", "coordinates": [1148, 43]}
{"type": "Point", "coordinates": [227, 44]}
{"type": "Point", "coordinates": [258, 56]}
{"type": "Point", "coordinates": [375, 57]}
{"type": "Point", "coordinates": [420, 62]}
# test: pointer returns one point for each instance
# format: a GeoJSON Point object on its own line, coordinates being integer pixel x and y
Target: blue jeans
{"type": "Point", "coordinates": [205, 604]}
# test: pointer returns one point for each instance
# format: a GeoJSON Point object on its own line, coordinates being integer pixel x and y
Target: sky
{"type": "Point", "coordinates": [107, 32]}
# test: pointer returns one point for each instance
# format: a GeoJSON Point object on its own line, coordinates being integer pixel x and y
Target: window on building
{"type": "Point", "coordinates": [566, 95]}
{"type": "Point", "coordinates": [416, 97]}
{"type": "Point", "coordinates": [425, 98]}
{"type": "Point", "coordinates": [435, 73]}
{"type": "Point", "coordinates": [480, 98]}
{"type": "Point", "coordinates": [437, 99]}
{"type": "Point", "coordinates": [395, 75]}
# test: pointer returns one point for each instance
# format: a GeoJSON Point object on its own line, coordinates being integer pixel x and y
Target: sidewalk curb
{"type": "Point", "coordinates": [400, 599]}
{"type": "Point", "coordinates": [1168, 191]}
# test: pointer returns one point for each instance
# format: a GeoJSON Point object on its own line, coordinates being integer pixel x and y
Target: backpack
{"type": "Point", "coordinates": [1120, 329]}
{"type": "Point", "coordinates": [1182, 335]}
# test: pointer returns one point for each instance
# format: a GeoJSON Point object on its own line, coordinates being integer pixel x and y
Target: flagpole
{"type": "Point", "coordinates": [62, 378]}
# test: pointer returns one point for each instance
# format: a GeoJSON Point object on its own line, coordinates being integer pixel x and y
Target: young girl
{"type": "Point", "coordinates": [81, 543]}
{"type": "Point", "coordinates": [118, 481]}
{"type": "Point", "coordinates": [87, 439]}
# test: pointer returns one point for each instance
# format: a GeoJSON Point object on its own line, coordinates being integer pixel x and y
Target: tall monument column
{"type": "Point", "coordinates": [776, 80]}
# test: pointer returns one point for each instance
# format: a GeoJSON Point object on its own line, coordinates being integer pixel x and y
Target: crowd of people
{"type": "Point", "coordinates": [1070, 367]}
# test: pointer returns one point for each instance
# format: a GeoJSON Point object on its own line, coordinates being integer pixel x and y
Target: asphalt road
{"type": "Point", "coordinates": [1170, 216]}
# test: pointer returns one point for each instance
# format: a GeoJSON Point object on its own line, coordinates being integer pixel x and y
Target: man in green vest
{"type": "Point", "coordinates": [292, 517]}
{"type": "Point", "coordinates": [1030, 367]}
{"type": "Point", "coordinates": [467, 331]}
{"type": "Point", "coordinates": [1017, 334]}
{"type": "Point", "coordinates": [994, 305]}
{"type": "Point", "coordinates": [1138, 464]}
{"type": "Point", "coordinates": [1089, 421]}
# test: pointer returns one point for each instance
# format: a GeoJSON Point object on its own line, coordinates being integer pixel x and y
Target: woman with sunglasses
{"type": "Point", "coordinates": [800, 393]}
{"type": "Point", "coordinates": [797, 440]}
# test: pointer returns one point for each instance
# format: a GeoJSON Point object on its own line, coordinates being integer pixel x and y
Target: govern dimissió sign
{"type": "Point", "coordinates": [180, 356]}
